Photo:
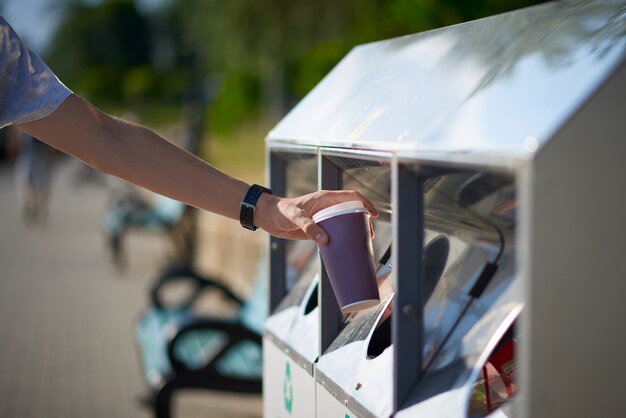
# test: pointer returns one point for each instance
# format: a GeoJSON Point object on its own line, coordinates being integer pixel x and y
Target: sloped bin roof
{"type": "Point", "coordinates": [494, 89]}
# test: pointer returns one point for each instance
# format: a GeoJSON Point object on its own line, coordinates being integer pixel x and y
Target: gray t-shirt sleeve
{"type": "Point", "coordinates": [29, 90]}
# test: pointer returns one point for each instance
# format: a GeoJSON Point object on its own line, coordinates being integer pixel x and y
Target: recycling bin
{"type": "Point", "coordinates": [493, 152]}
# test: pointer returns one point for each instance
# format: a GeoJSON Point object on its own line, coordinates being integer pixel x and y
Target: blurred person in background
{"type": "Point", "coordinates": [37, 103]}
{"type": "Point", "coordinates": [33, 170]}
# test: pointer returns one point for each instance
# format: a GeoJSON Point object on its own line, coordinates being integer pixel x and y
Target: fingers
{"type": "Point", "coordinates": [294, 218]}
{"type": "Point", "coordinates": [326, 198]}
{"type": "Point", "coordinates": [313, 231]}
{"type": "Point", "coordinates": [332, 197]}
{"type": "Point", "coordinates": [369, 206]}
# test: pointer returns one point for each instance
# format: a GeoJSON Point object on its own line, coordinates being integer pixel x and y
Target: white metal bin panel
{"type": "Point", "coordinates": [448, 404]}
{"type": "Point", "coordinates": [346, 369]}
{"type": "Point", "coordinates": [288, 390]}
{"type": "Point", "coordinates": [329, 407]}
{"type": "Point", "coordinates": [574, 243]}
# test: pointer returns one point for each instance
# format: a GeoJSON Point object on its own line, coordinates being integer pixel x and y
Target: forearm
{"type": "Point", "coordinates": [144, 158]}
{"type": "Point", "coordinates": [138, 155]}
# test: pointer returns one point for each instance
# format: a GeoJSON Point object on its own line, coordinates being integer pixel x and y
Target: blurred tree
{"type": "Point", "coordinates": [271, 53]}
{"type": "Point", "coordinates": [253, 58]}
{"type": "Point", "coordinates": [103, 51]}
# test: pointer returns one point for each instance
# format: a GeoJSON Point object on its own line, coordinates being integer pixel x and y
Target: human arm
{"type": "Point", "coordinates": [140, 156]}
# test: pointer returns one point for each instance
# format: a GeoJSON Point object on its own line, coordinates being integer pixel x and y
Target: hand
{"type": "Point", "coordinates": [292, 217]}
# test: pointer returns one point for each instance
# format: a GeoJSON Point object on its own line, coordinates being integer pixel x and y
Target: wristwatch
{"type": "Point", "coordinates": [248, 206]}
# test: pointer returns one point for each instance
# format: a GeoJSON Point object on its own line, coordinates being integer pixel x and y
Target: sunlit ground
{"type": "Point", "coordinates": [67, 314]}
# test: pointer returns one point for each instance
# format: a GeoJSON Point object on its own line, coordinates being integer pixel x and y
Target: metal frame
{"type": "Point", "coordinates": [330, 178]}
{"type": "Point", "coordinates": [277, 288]}
{"type": "Point", "coordinates": [407, 316]}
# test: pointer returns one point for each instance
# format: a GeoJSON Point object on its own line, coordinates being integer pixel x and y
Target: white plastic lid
{"type": "Point", "coordinates": [359, 306]}
{"type": "Point", "coordinates": [352, 206]}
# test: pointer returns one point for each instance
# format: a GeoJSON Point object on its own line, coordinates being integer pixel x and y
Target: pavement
{"type": "Point", "coordinates": [67, 314]}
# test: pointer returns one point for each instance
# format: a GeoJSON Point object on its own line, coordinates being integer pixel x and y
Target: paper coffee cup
{"type": "Point", "coordinates": [349, 256]}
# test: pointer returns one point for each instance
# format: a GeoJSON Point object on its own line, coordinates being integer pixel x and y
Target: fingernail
{"type": "Point", "coordinates": [319, 237]}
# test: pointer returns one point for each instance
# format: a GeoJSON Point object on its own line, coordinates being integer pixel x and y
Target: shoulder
{"type": "Point", "coordinates": [29, 90]}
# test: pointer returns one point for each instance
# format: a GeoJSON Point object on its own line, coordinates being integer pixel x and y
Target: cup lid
{"type": "Point", "coordinates": [360, 305]}
{"type": "Point", "coordinates": [352, 206]}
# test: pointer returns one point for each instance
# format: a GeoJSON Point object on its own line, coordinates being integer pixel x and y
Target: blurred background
{"type": "Point", "coordinates": [79, 252]}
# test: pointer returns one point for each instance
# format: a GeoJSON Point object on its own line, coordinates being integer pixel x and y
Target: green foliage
{"type": "Point", "coordinates": [312, 65]}
{"type": "Point", "coordinates": [290, 45]}
{"type": "Point", "coordinates": [97, 48]}
{"type": "Point", "coordinates": [267, 54]}
{"type": "Point", "coordinates": [235, 102]}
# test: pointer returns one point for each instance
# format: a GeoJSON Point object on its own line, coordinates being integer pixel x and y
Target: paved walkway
{"type": "Point", "coordinates": [66, 315]}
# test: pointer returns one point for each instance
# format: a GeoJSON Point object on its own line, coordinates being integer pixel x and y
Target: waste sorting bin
{"type": "Point", "coordinates": [493, 153]}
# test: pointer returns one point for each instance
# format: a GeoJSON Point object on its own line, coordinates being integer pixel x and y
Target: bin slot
{"type": "Point", "coordinates": [358, 325]}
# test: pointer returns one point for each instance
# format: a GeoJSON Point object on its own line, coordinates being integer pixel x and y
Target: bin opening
{"type": "Point", "coordinates": [435, 258]}
{"type": "Point", "coordinates": [381, 337]}
{"type": "Point", "coordinates": [312, 303]}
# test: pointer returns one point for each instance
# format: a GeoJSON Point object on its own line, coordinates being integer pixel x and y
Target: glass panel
{"type": "Point", "coordinates": [301, 256]}
{"type": "Point", "coordinates": [475, 213]}
{"type": "Point", "coordinates": [373, 180]}
{"type": "Point", "coordinates": [468, 216]}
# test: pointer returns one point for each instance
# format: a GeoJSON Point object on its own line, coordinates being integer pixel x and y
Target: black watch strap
{"type": "Point", "coordinates": [248, 206]}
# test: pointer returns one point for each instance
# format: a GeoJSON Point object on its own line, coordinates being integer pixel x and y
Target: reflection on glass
{"type": "Point", "coordinates": [301, 174]}
{"type": "Point", "coordinates": [301, 265]}
{"type": "Point", "coordinates": [372, 179]}
{"type": "Point", "coordinates": [301, 179]}
{"type": "Point", "coordinates": [475, 213]}
{"type": "Point", "coordinates": [302, 278]}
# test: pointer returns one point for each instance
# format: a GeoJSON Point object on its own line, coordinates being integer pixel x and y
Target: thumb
{"type": "Point", "coordinates": [320, 235]}
{"type": "Point", "coordinates": [314, 232]}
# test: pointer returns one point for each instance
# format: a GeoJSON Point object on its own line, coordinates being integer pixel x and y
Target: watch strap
{"type": "Point", "coordinates": [248, 206]}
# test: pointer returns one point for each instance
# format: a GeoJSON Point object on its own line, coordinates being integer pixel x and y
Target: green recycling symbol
{"type": "Point", "coordinates": [288, 389]}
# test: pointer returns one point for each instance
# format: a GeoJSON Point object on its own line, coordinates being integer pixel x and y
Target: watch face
{"type": "Point", "coordinates": [246, 215]}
